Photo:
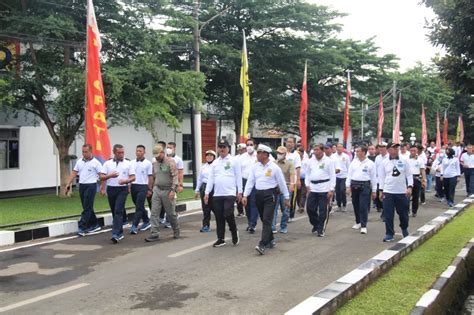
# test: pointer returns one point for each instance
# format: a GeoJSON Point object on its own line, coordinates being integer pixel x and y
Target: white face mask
{"type": "Point", "coordinates": [280, 157]}
{"type": "Point", "coordinates": [250, 149]}
{"type": "Point", "coordinates": [169, 151]}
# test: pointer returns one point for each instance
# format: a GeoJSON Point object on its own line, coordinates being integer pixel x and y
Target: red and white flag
{"type": "Point", "coordinates": [304, 110]}
{"type": "Point", "coordinates": [396, 128]}
{"type": "Point", "coordinates": [381, 118]}
{"type": "Point", "coordinates": [424, 132]}
{"type": "Point", "coordinates": [96, 123]}
{"type": "Point", "coordinates": [345, 133]}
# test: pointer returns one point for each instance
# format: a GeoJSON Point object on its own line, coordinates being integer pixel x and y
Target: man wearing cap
{"type": "Point", "coordinates": [247, 161]}
{"type": "Point", "coordinates": [342, 166]}
{"type": "Point", "coordinates": [117, 173]}
{"type": "Point", "coordinates": [383, 155]}
{"type": "Point", "coordinates": [139, 189]}
{"type": "Point", "coordinates": [288, 171]}
{"type": "Point", "coordinates": [417, 168]}
{"type": "Point", "coordinates": [362, 185]}
{"type": "Point", "coordinates": [201, 188]}
{"type": "Point", "coordinates": [294, 157]}
{"type": "Point", "coordinates": [88, 169]}
{"type": "Point", "coordinates": [321, 181]}
{"type": "Point", "coordinates": [164, 186]}
{"type": "Point", "coordinates": [267, 178]}
{"type": "Point", "coordinates": [225, 179]}
{"type": "Point", "coordinates": [396, 182]}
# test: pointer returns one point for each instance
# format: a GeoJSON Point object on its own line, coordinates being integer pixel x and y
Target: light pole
{"type": "Point", "coordinates": [412, 138]}
{"type": "Point", "coordinates": [401, 136]}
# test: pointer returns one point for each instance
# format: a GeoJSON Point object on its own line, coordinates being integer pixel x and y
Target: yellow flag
{"type": "Point", "coordinates": [244, 83]}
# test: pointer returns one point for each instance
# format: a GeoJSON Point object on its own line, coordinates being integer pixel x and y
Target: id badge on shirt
{"type": "Point", "coordinates": [268, 173]}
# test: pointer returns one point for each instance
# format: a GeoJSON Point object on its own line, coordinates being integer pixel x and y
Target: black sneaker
{"type": "Point", "coordinates": [219, 243]}
{"type": "Point", "coordinates": [251, 230]}
{"type": "Point", "coordinates": [235, 238]}
{"type": "Point", "coordinates": [260, 249]}
{"type": "Point", "coordinates": [320, 234]}
{"type": "Point", "coordinates": [116, 238]}
{"type": "Point", "coordinates": [152, 238]}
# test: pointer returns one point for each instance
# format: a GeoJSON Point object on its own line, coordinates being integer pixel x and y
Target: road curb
{"type": "Point", "coordinates": [332, 297]}
{"type": "Point", "coordinates": [444, 292]}
{"type": "Point", "coordinates": [11, 237]}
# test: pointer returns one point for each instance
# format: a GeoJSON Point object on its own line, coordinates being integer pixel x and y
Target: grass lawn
{"type": "Point", "coordinates": [23, 209]}
{"type": "Point", "coordinates": [397, 291]}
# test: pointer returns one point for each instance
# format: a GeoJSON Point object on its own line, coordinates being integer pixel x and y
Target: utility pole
{"type": "Point", "coordinates": [394, 97]}
{"type": "Point", "coordinates": [362, 122]}
{"type": "Point", "coordinates": [196, 112]}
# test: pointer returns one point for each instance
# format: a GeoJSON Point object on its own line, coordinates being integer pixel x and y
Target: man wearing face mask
{"type": "Point", "coordinates": [241, 149]}
{"type": "Point", "coordinates": [247, 161]}
{"type": "Point", "coordinates": [164, 185]}
{"type": "Point", "coordinates": [294, 157]}
{"type": "Point", "coordinates": [225, 179]}
{"type": "Point", "coordinates": [171, 152]}
{"type": "Point", "coordinates": [201, 188]}
{"type": "Point", "coordinates": [288, 170]}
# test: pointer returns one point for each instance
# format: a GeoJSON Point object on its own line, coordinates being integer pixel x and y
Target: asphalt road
{"type": "Point", "coordinates": [89, 275]}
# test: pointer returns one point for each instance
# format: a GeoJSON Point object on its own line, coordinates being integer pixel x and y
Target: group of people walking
{"type": "Point", "coordinates": [391, 175]}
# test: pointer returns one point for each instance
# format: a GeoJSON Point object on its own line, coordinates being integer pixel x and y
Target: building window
{"type": "Point", "coordinates": [9, 149]}
{"type": "Point", "coordinates": [187, 147]}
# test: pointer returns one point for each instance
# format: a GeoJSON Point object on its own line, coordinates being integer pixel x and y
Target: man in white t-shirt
{"type": "Point", "coordinates": [117, 173]}
{"type": "Point", "coordinates": [88, 169]}
{"type": "Point", "coordinates": [467, 162]}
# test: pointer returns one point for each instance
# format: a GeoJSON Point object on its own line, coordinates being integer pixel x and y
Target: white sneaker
{"type": "Point", "coordinates": [356, 226]}
{"type": "Point", "coordinates": [363, 230]}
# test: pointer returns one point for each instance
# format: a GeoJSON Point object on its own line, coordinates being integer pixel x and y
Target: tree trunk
{"type": "Point", "coordinates": [64, 159]}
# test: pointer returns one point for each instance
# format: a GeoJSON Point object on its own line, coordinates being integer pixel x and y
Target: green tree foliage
{"type": "Point", "coordinates": [281, 35]}
{"type": "Point", "coordinates": [452, 29]}
{"type": "Point", "coordinates": [139, 85]}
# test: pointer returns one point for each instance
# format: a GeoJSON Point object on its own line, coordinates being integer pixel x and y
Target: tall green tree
{"type": "Point", "coordinates": [139, 85]}
{"type": "Point", "coordinates": [281, 35]}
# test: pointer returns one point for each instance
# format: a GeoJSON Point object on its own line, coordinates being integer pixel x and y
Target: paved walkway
{"type": "Point", "coordinates": [90, 275]}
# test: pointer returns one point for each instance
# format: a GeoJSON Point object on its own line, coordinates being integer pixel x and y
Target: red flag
{"type": "Point", "coordinates": [304, 111]}
{"type": "Point", "coordinates": [96, 123]}
{"type": "Point", "coordinates": [345, 134]}
{"type": "Point", "coordinates": [396, 128]}
{"type": "Point", "coordinates": [424, 132]}
{"type": "Point", "coordinates": [445, 128]}
{"type": "Point", "coordinates": [438, 134]}
{"type": "Point", "coordinates": [381, 118]}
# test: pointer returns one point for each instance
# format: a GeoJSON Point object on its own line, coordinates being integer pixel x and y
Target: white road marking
{"type": "Point", "coordinates": [42, 297]}
{"type": "Point", "coordinates": [75, 236]}
{"type": "Point", "coordinates": [50, 241]}
{"type": "Point", "coordinates": [202, 246]}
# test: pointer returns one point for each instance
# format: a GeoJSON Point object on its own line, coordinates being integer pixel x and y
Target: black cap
{"type": "Point", "coordinates": [393, 145]}
{"type": "Point", "coordinates": [223, 142]}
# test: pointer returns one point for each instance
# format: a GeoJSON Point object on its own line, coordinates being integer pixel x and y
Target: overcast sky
{"type": "Point", "coordinates": [397, 24]}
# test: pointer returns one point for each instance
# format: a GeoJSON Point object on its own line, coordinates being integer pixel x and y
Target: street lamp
{"type": "Point", "coordinates": [412, 138]}
{"type": "Point", "coordinates": [401, 136]}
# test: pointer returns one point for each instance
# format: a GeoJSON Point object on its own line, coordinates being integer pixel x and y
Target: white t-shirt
{"type": "Point", "coordinates": [88, 170]}
{"type": "Point", "coordinates": [124, 168]}
{"type": "Point", "coordinates": [143, 169]}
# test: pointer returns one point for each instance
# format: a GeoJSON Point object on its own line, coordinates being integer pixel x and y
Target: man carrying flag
{"type": "Point", "coordinates": [244, 83]}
